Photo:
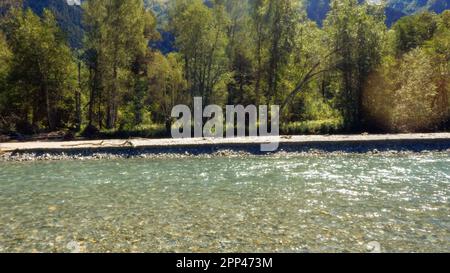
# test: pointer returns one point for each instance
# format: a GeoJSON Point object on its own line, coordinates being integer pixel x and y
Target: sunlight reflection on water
{"type": "Point", "coordinates": [262, 204]}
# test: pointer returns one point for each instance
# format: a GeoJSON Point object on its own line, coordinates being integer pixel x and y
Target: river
{"type": "Point", "coordinates": [327, 203]}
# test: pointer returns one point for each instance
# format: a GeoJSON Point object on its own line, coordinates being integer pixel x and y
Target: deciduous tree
{"type": "Point", "coordinates": [42, 70]}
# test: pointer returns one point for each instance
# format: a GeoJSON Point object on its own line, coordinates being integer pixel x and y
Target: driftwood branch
{"type": "Point", "coordinates": [312, 73]}
{"type": "Point", "coordinates": [83, 144]}
{"type": "Point", "coordinates": [101, 144]}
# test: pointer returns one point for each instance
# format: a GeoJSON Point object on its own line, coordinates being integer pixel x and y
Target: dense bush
{"type": "Point", "coordinates": [410, 92]}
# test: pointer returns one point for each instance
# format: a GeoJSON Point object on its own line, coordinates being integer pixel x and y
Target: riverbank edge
{"type": "Point", "coordinates": [204, 147]}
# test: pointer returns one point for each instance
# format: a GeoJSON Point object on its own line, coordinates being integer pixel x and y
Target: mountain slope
{"type": "Point", "coordinates": [413, 6]}
{"type": "Point", "coordinates": [395, 9]}
{"type": "Point", "coordinates": [69, 13]}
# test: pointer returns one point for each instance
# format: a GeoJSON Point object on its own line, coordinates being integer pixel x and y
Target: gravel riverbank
{"type": "Point", "coordinates": [182, 148]}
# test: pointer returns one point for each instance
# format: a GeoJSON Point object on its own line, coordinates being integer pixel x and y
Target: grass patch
{"type": "Point", "coordinates": [313, 127]}
{"type": "Point", "coordinates": [147, 131]}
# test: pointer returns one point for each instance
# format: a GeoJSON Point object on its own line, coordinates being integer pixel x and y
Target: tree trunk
{"type": "Point", "coordinates": [91, 98]}
{"type": "Point", "coordinates": [168, 126]}
{"type": "Point", "coordinates": [78, 100]}
{"type": "Point", "coordinates": [111, 104]}
{"type": "Point", "coordinates": [50, 120]}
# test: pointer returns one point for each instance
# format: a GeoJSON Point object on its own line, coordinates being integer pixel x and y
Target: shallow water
{"type": "Point", "coordinates": [249, 204]}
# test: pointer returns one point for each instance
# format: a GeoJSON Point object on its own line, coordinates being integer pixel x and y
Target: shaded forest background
{"type": "Point", "coordinates": [116, 68]}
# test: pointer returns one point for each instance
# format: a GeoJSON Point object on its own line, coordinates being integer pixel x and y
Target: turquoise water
{"type": "Point", "coordinates": [248, 204]}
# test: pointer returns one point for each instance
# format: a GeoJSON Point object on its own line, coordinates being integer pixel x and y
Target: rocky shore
{"type": "Point", "coordinates": [237, 147]}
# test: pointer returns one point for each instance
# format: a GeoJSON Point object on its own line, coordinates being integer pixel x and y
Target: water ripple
{"type": "Point", "coordinates": [262, 204]}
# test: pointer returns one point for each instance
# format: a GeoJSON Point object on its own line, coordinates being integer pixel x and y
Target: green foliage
{"type": "Point", "coordinates": [201, 39]}
{"type": "Point", "coordinates": [303, 74]}
{"type": "Point", "coordinates": [282, 24]}
{"type": "Point", "coordinates": [351, 74]}
{"type": "Point", "coordinates": [117, 34]}
{"type": "Point", "coordinates": [315, 107]}
{"type": "Point", "coordinates": [416, 108]}
{"type": "Point", "coordinates": [68, 18]}
{"type": "Point", "coordinates": [412, 6]}
{"type": "Point", "coordinates": [404, 96]}
{"type": "Point", "coordinates": [394, 9]}
{"type": "Point", "coordinates": [274, 29]}
{"type": "Point", "coordinates": [412, 31]}
{"type": "Point", "coordinates": [5, 63]}
{"type": "Point", "coordinates": [7, 5]}
{"type": "Point", "coordinates": [410, 92]}
{"type": "Point", "coordinates": [355, 34]}
{"type": "Point", "coordinates": [5, 58]}
{"type": "Point", "coordinates": [166, 86]}
{"type": "Point", "coordinates": [313, 127]}
{"type": "Point", "coordinates": [41, 73]}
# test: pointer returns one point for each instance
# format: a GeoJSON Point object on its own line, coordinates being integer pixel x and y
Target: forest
{"type": "Point", "coordinates": [350, 73]}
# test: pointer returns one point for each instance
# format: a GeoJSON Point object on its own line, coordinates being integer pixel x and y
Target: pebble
{"type": "Point", "coordinates": [131, 154]}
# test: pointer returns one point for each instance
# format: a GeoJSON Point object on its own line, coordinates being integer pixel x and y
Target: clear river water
{"type": "Point", "coordinates": [329, 203]}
